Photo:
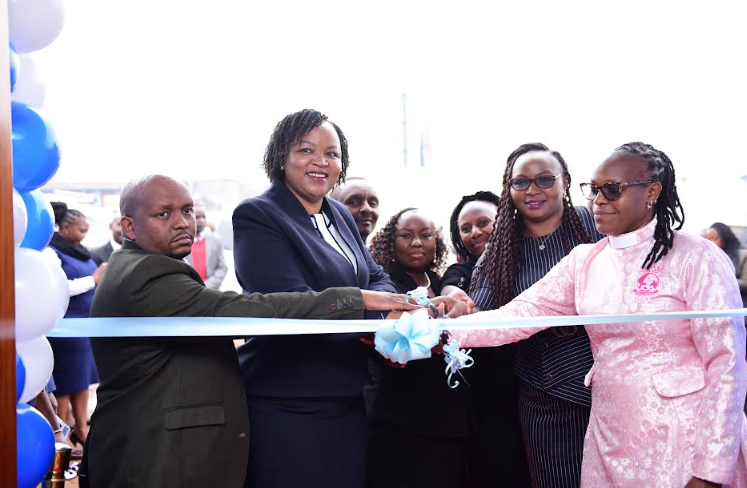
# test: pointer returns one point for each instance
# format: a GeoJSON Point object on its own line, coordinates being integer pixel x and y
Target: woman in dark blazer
{"type": "Point", "coordinates": [304, 392]}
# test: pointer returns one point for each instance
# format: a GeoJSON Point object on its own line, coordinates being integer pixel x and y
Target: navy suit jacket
{"type": "Point", "coordinates": [277, 248]}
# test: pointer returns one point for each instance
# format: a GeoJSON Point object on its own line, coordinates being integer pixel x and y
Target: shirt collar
{"type": "Point", "coordinates": [630, 239]}
{"type": "Point", "coordinates": [115, 245]}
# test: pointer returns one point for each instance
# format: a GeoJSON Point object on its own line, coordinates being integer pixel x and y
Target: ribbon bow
{"type": "Point", "coordinates": [456, 359]}
{"type": "Point", "coordinates": [409, 338]}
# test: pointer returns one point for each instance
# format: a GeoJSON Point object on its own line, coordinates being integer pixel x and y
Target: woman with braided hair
{"type": "Point", "coordinates": [537, 225]}
{"type": "Point", "coordinates": [667, 395]}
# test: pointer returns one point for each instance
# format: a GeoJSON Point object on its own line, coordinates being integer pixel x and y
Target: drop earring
{"type": "Point", "coordinates": [648, 205]}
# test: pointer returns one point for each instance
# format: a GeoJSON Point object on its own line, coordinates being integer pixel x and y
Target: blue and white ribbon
{"type": "Point", "coordinates": [410, 338]}
{"type": "Point", "coordinates": [456, 359]}
{"type": "Point", "coordinates": [247, 327]}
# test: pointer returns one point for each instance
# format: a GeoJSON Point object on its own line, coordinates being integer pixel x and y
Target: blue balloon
{"type": "Point", "coordinates": [41, 220]}
{"type": "Point", "coordinates": [15, 68]}
{"type": "Point", "coordinates": [36, 155]}
{"type": "Point", "coordinates": [34, 444]}
{"type": "Point", "coordinates": [20, 377]}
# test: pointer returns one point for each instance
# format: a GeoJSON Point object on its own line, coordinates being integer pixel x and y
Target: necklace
{"type": "Point", "coordinates": [427, 281]}
{"type": "Point", "coordinates": [542, 239]}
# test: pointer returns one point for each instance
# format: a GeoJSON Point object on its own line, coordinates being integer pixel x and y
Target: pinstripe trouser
{"type": "Point", "coordinates": [553, 431]}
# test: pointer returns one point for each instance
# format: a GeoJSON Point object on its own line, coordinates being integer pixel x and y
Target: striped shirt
{"type": "Point", "coordinates": [557, 359]}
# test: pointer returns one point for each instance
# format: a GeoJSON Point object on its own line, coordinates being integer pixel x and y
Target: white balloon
{"type": "Point", "coordinates": [20, 218]}
{"type": "Point", "coordinates": [38, 360]}
{"type": "Point", "coordinates": [34, 24]}
{"type": "Point", "coordinates": [30, 87]}
{"type": "Point", "coordinates": [42, 294]}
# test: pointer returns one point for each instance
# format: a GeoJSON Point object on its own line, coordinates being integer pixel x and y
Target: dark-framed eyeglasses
{"type": "Point", "coordinates": [611, 191]}
{"type": "Point", "coordinates": [520, 183]}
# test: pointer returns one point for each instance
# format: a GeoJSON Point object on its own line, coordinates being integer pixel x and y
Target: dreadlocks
{"type": "Point", "coordinates": [501, 259]}
{"type": "Point", "coordinates": [290, 131]}
{"type": "Point", "coordinates": [456, 239]}
{"type": "Point", "coordinates": [667, 208]}
{"type": "Point", "coordinates": [382, 246]}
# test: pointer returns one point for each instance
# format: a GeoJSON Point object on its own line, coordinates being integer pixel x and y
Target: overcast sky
{"type": "Point", "coordinates": [194, 89]}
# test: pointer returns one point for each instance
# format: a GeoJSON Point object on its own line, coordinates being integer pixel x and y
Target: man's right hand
{"type": "Point", "coordinates": [380, 300]}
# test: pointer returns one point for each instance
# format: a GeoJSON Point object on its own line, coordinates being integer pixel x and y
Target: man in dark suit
{"type": "Point", "coordinates": [101, 254]}
{"type": "Point", "coordinates": [171, 412]}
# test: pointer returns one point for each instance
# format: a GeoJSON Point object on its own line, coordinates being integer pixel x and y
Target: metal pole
{"type": "Point", "coordinates": [404, 127]}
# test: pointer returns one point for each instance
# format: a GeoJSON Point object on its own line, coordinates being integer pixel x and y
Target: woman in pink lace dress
{"type": "Point", "coordinates": [667, 396]}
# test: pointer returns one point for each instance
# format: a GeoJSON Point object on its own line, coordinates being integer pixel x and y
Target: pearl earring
{"type": "Point", "coordinates": [648, 205]}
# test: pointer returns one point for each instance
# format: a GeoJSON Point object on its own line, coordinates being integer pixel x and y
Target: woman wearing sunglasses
{"type": "Point", "coordinates": [537, 225]}
{"type": "Point", "coordinates": [667, 395]}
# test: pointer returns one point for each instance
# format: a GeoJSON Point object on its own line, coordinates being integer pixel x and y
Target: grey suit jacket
{"type": "Point", "coordinates": [171, 412]}
{"type": "Point", "coordinates": [215, 262]}
{"type": "Point", "coordinates": [101, 254]}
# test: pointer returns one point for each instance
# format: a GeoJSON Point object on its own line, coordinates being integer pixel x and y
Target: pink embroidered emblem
{"type": "Point", "coordinates": [648, 283]}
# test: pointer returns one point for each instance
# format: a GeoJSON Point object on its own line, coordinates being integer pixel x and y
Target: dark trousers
{"type": "Point", "coordinates": [554, 431]}
{"type": "Point", "coordinates": [306, 442]}
{"type": "Point", "coordinates": [398, 459]}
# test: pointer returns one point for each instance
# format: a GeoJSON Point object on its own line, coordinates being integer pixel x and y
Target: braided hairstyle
{"type": "Point", "coordinates": [456, 238]}
{"type": "Point", "coordinates": [667, 208]}
{"type": "Point", "coordinates": [501, 259]}
{"type": "Point", "coordinates": [290, 131]}
{"type": "Point", "coordinates": [64, 215]}
{"type": "Point", "coordinates": [382, 246]}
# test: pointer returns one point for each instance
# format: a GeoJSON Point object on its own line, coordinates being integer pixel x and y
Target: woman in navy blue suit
{"type": "Point", "coordinates": [308, 424]}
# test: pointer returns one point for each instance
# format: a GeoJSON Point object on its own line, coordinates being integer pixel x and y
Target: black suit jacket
{"type": "Point", "coordinates": [277, 248]}
{"type": "Point", "coordinates": [171, 412]}
{"type": "Point", "coordinates": [417, 399]}
{"type": "Point", "coordinates": [101, 254]}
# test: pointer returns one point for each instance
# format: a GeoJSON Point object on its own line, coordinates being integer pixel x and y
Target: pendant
{"type": "Point", "coordinates": [542, 247]}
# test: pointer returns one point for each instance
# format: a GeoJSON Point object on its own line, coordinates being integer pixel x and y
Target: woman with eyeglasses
{"type": "Point", "coordinates": [409, 443]}
{"type": "Point", "coordinates": [537, 225]}
{"type": "Point", "coordinates": [667, 395]}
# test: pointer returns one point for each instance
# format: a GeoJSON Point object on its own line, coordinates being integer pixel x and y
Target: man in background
{"type": "Point", "coordinates": [207, 253]}
{"type": "Point", "coordinates": [102, 254]}
{"type": "Point", "coordinates": [361, 199]}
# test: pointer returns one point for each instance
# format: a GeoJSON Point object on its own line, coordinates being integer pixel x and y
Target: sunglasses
{"type": "Point", "coordinates": [542, 182]}
{"type": "Point", "coordinates": [611, 191]}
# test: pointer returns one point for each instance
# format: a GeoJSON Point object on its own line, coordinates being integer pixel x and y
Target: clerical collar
{"type": "Point", "coordinates": [632, 238]}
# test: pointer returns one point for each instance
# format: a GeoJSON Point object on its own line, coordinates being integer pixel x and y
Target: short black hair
{"type": "Point", "coordinates": [290, 131]}
{"type": "Point", "coordinates": [456, 239]}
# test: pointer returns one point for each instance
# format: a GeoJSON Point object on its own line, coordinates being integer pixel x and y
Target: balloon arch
{"type": "Point", "coordinates": [40, 288]}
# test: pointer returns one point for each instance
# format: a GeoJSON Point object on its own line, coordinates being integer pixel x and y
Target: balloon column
{"type": "Point", "coordinates": [41, 288]}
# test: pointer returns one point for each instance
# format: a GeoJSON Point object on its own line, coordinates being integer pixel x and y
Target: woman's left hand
{"type": "Point", "coordinates": [699, 483]}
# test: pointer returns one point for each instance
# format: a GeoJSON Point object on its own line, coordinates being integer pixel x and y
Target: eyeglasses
{"type": "Point", "coordinates": [611, 191]}
{"type": "Point", "coordinates": [542, 182]}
